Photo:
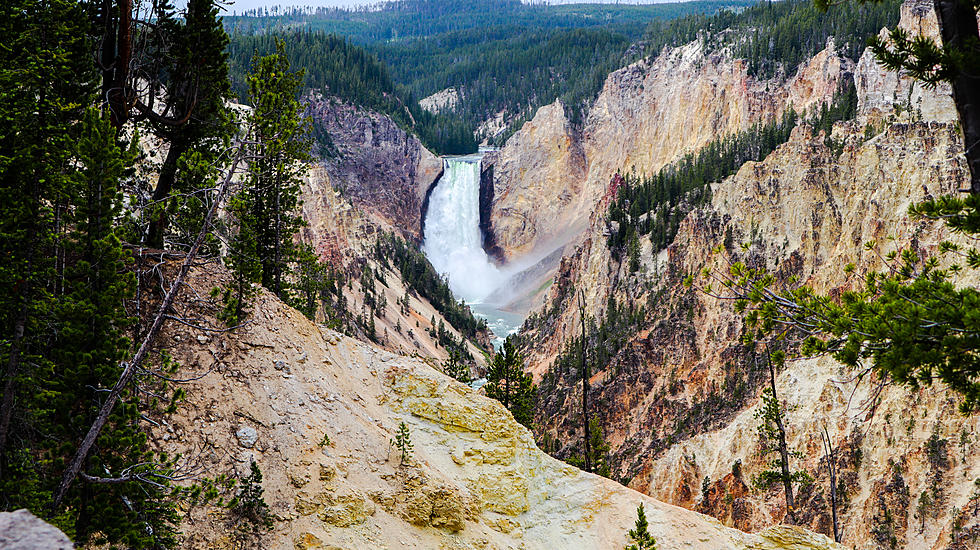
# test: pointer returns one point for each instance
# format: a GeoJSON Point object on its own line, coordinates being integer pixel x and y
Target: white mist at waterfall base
{"type": "Point", "coordinates": [454, 245]}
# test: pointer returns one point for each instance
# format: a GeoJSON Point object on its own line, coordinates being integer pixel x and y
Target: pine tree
{"type": "Point", "coordinates": [278, 164]}
{"type": "Point", "coordinates": [508, 383]}
{"type": "Point", "coordinates": [772, 440]}
{"type": "Point", "coordinates": [639, 537]}
{"type": "Point", "coordinates": [598, 451]}
{"type": "Point", "coordinates": [456, 368]}
{"type": "Point", "coordinates": [195, 122]}
{"type": "Point", "coordinates": [263, 245]}
{"type": "Point", "coordinates": [61, 166]}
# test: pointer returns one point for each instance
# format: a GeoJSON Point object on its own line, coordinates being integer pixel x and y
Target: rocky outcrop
{"type": "Point", "coordinates": [539, 184]}
{"type": "Point", "coordinates": [443, 100]}
{"type": "Point", "coordinates": [677, 402]}
{"type": "Point", "coordinates": [22, 530]}
{"type": "Point", "coordinates": [324, 409]}
{"type": "Point", "coordinates": [550, 176]}
{"type": "Point", "coordinates": [380, 167]}
{"type": "Point", "coordinates": [880, 91]}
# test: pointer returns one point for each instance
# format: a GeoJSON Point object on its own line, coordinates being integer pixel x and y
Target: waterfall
{"type": "Point", "coordinates": [452, 240]}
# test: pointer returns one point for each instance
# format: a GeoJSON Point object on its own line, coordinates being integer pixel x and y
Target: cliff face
{"type": "Point", "coordinates": [880, 91]}
{"type": "Point", "coordinates": [384, 170]}
{"type": "Point", "coordinates": [317, 412]}
{"type": "Point", "coordinates": [677, 401]}
{"type": "Point", "coordinates": [539, 183]}
{"type": "Point", "coordinates": [647, 115]}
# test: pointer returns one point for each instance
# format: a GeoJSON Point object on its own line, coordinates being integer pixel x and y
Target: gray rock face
{"type": "Point", "coordinates": [21, 530]}
{"type": "Point", "coordinates": [382, 168]}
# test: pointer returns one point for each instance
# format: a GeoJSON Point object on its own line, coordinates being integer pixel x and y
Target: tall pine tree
{"type": "Point", "coordinates": [508, 383]}
{"type": "Point", "coordinates": [266, 207]}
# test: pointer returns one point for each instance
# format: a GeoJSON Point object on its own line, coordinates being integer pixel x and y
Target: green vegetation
{"type": "Point", "coordinates": [457, 368]}
{"type": "Point", "coordinates": [598, 452]}
{"type": "Point", "coordinates": [603, 341]}
{"type": "Point", "coordinates": [655, 205]}
{"type": "Point", "coordinates": [335, 66]}
{"type": "Point", "coordinates": [263, 249]}
{"type": "Point", "coordinates": [402, 20]}
{"type": "Point", "coordinates": [249, 505]}
{"type": "Point", "coordinates": [639, 537]}
{"type": "Point", "coordinates": [403, 441]}
{"type": "Point", "coordinates": [508, 383]}
{"type": "Point", "coordinates": [74, 407]}
{"type": "Point", "coordinates": [772, 442]}
{"type": "Point", "coordinates": [909, 322]}
{"type": "Point", "coordinates": [510, 57]}
{"type": "Point", "coordinates": [422, 279]}
{"type": "Point", "coordinates": [502, 55]}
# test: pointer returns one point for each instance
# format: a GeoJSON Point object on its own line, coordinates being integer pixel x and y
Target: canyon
{"type": "Point", "coordinates": [677, 402]}
{"type": "Point", "coordinates": [319, 411]}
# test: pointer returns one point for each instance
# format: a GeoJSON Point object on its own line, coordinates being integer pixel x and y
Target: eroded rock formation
{"type": "Point", "coordinates": [383, 169]}
{"type": "Point", "coordinates": [550, 175]}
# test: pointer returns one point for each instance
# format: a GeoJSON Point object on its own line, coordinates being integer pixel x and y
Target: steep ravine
{"type": "Point", "coordinates": [677, 402]}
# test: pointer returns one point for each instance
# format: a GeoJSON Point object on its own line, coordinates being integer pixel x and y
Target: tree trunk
{"type": "Point", "coordinates": [118, 95]}
{"type": "Point", "coordinates": [958, 28]}
{"type": "Point", "coordinates": [13, 367]}
{"type": "Point", "coordinates": [165, 184]}
{"type": "Point", "coordinates": [783, 451]}
{"type": "Point", "coordinates": [832, 467]}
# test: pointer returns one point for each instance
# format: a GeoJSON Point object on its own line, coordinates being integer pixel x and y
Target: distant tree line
{"type": "Point", "coordinates": [502, 55]}
{"type": "Point", "coordinates": [335, 66]}
{"type": "Point", "coordinates": [776, 37]}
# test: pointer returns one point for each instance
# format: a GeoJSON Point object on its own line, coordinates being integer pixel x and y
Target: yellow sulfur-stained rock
{"type": "Point", "coordinates": [347, 510]}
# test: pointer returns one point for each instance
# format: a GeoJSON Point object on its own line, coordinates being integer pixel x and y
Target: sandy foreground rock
{"type": "Point", "coordinates": [317, 411]}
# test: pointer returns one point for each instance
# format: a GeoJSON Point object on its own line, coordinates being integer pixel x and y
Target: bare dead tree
{"type": "Point", "coordinates": [585, 388]}
{"type": "Point", "coordinates": [131, 367]}
{"type": "Point", "coordinates": [828, 451]}
{"type": "Point", "coordinates": [777, 419]}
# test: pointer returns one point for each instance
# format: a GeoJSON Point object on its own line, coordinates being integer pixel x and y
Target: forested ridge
{"type": "Point", "coordinates": [505, 57]}
{"type": "Point", "coordinates": [502, 56]}
{"type": "Point", "coordinates": [405, 19]}
{"type": "Point", "coordinates": [335, 66]}
{"type": "Point", "coordinates": [775, 37]}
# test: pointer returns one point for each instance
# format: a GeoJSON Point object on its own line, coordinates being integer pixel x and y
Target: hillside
{"type": "Point", "coordinates": [317, 412]}
{"type": "Point", "coordinates": [747, 325]}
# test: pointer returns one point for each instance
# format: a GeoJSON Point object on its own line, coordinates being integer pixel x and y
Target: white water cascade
{"type": "Point", "coordinates": [453, 242]}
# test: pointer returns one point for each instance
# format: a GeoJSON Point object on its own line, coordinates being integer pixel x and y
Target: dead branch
{"type": "Point", "coordinates": [130, 368]}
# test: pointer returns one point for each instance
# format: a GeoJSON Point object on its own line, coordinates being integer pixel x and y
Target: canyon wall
{"type": "Point", "coordinates": [380, 167]}
{"type": "Point", "coordinates": [550, 175]}
{"type": "Point", "coordinates": [677, 402]}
